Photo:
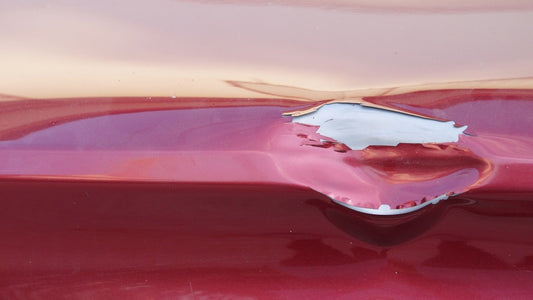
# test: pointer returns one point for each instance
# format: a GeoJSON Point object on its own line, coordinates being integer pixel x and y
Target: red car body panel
{"type": "Point", "coordinates": [142, 174]}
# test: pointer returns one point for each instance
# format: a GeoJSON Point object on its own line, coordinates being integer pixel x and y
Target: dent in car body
{"type": "Point", "coordinates": [224, 140]}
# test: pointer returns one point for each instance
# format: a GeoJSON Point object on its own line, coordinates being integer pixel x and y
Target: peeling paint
{"type": "Point", "coordinates": [386, 210]}
{"type": "Point", "coordinates": [359, 127]}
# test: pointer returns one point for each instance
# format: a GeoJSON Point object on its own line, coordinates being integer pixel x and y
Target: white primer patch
{"type": "Point", "coordinates": [358, 126]}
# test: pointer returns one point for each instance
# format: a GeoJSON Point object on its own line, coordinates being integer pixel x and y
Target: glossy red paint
{"type": "Point", "coordinates": [213, 202]}
{"type": "Point", "coordinates": [143, 151]}
{"type": "Point", "coordinates": [84, 240]}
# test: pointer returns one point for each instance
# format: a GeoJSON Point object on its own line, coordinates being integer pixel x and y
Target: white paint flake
{"type": "Point", "coordinates": [358, 126]}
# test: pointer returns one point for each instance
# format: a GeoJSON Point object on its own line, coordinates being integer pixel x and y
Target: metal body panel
{"type": "Point", "coordinates": [148, 150]}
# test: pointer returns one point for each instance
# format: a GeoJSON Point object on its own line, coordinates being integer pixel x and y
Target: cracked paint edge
{"type": "Point", "coordinates": [359, 127]}
{"type": "Point", "coordinates": [386, 210]}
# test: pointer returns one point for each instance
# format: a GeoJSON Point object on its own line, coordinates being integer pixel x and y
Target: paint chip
{"type": "Point", "coordinates": [358, 126]}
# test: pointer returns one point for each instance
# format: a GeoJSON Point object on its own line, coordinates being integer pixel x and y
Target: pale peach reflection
{"type": "Point", "coordinates": [187, 48]}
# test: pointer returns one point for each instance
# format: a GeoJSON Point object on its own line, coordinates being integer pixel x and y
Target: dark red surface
{"type": "Point", "coordinates": [71, 239]}
{"type": "Point", "coordinates": [213, 202]}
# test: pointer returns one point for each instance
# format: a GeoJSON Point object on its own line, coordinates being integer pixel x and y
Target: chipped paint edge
{"type": "Point", "coordinates": [385, 210]}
